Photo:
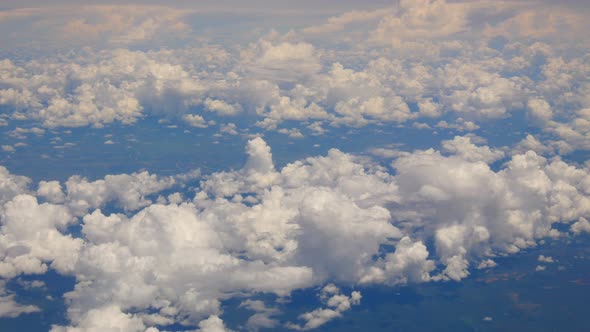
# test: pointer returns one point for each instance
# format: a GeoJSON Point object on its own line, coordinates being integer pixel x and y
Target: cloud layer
{"type": "Point", "coordinates": [447, 64]}
{"type": "Point", "coordinates": [262, 230]}
{"type": "Point", "coordinates": [148, 252]}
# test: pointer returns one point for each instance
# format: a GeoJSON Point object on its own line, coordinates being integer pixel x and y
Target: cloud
{"type": "Point", "coordinates": [11, 185]}
{"type": "Point", "coordinates": [109, 318]}
{"type": "Point", "coordinates": [51, 191]}
{"type": "Point", "coordinates": [163, 250]}
{"type": "Point", "coordinates": [546, 259]}
{"type": "Point", "coordinates": [422, 19]}
{"type": "Point", "coordinates": [462, 146]}
{"type": "Point", "coordinates": [266, 230]}
{"type": "Point", "coordinates": [289, 77]}
{"type": "Point", "coordinates": [99, 88]}
{"type": "Point", "coordinates": [10, 308]}
{"type": "Point", "coordinates": [32, 236]}
{"type": "Point", "coordinates": [129, 191]}
{"type": "Point", "coordinates": [221, 107]}
{"type": "Point", "coordinates": [281, 61]}
{"type": "Point", "coordinates": [263, 318]}
{"type": "Point", "coordinates": [336, 304]}
{"type": "Point", "coordinates": [582, 225]}
{"type": "Point", "coordinates": [195, 120]}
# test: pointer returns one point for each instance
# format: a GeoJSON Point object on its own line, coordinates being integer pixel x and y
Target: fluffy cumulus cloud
{"type": "Point", "coordinates": [148, 252]}
{"type": "Point", "coordinates": [266, 230]}
{"type": "Point", "coordinates": [11, 185]}
{"type": "Point", "coordinates": [129, 191]}
{"type": "Point", "coordinates": [470, 62]}
{"type": "Point", "coordinates": [335, 302]}
{"type": "Point", "coordinates": [10, 308]}
{"type": "Point", "coordinates": [462, 146]}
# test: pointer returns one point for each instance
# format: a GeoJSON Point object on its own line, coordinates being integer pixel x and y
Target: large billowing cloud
{"type": "Point", "coordinates": [262, 230]}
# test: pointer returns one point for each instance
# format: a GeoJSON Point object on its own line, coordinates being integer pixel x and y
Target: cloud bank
{"type": "Point", "coordinates": [261, 230]}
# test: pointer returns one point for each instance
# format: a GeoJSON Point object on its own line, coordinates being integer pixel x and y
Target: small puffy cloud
{"type": "Point", "coordinates": [293, 133]}
{"type": "Point", "coordinates": [51, 191]}
{"type": "Point", "coordinates": [263, 318]}
{"type": "Point", "coordinates": [229, 128]}
{"type": "Point", "coordinates": [212, 324]}
{"type": "Point", "coordinates": [336, 303]}
{"type": "Point", "coordinates": [539, 109]}
{"type": "Point", "coordinates": [11, 309]}
{"type": "Point", "coordinates": [102, 25]}
{"type": "Point", "coordinates": [460, 125]}
{"type": "Point", "coordinates": [408, 263]}
{"type": "Point", "coordinates": [221, 107]}
{"type": "Point", "coordinates": [485, 264]}
{"type": "Point", "coordinates": [580, 226]}
{"type": "Point", "coordinates": [195, 120]}
{"type": "Point", "coordinates": [464, 148]}
{"type": "Point", "coordinates": [424, 19]}
{"type": "Point", "coordinates": [281, 61]}
{"type": "Point", "coordinates": [531, 143]}
{"type": "Point", "coordinates": [546, 259]}
{"type": "Point", "coordinates": [32, 236]}
{"type": "Point", "coordinates": [108, 318]}
{"type": "Point", "coordinates": [389, 153]}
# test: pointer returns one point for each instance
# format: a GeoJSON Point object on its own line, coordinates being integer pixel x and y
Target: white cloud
{"type": "Point", "coordinates": [212, 324]}
{"type": "Point", "coordinates": [462, 146]}
{"type": "Point", "coordinates": [263, 318]}
{"type": "Point", "coordinates": [266, 230]}
{"type": "Point", "coordinates": [11, 185]}
{"type": "Point", "coordinates": [221, 107]}
{"type": "Point", "coordinates": [8, 148]}
{"type": "Point", "coordinates": [281, 61]}
{"type": "Point", "coordinates": [582, 225]}
{"type": "Point", "coordinates": [108, 318]}
{"type": "Point", "coordinates": [545, 259]}
{"type": "Point", "coordinates": [195, 120]}
{"type": "Point", "coordinates": [51, 191]}
{"type": "Point", "coordinates": [336, 303]}
{"type": "Point", "coordinates": [10, 308]}
{"type": "Point", "coordinates": [32, 236]}
{"type": "Point", "coordinates": [531, 143]}
{"type": "Point", "coordinates": [322, 219]}
{"type": "Point", "coordinates": [485, 264]}
{"type": "Point", "coordinates": [540, 109]}
{"type": "Point", "coordinates": [229, 128]}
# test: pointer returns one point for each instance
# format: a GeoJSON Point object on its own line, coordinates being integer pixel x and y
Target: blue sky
{"type": "Point", "coordinates": [163, 160]}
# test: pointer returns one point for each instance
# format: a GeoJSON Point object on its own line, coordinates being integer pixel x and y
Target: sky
{"type": "Point", "coordinates": [172, 163]}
